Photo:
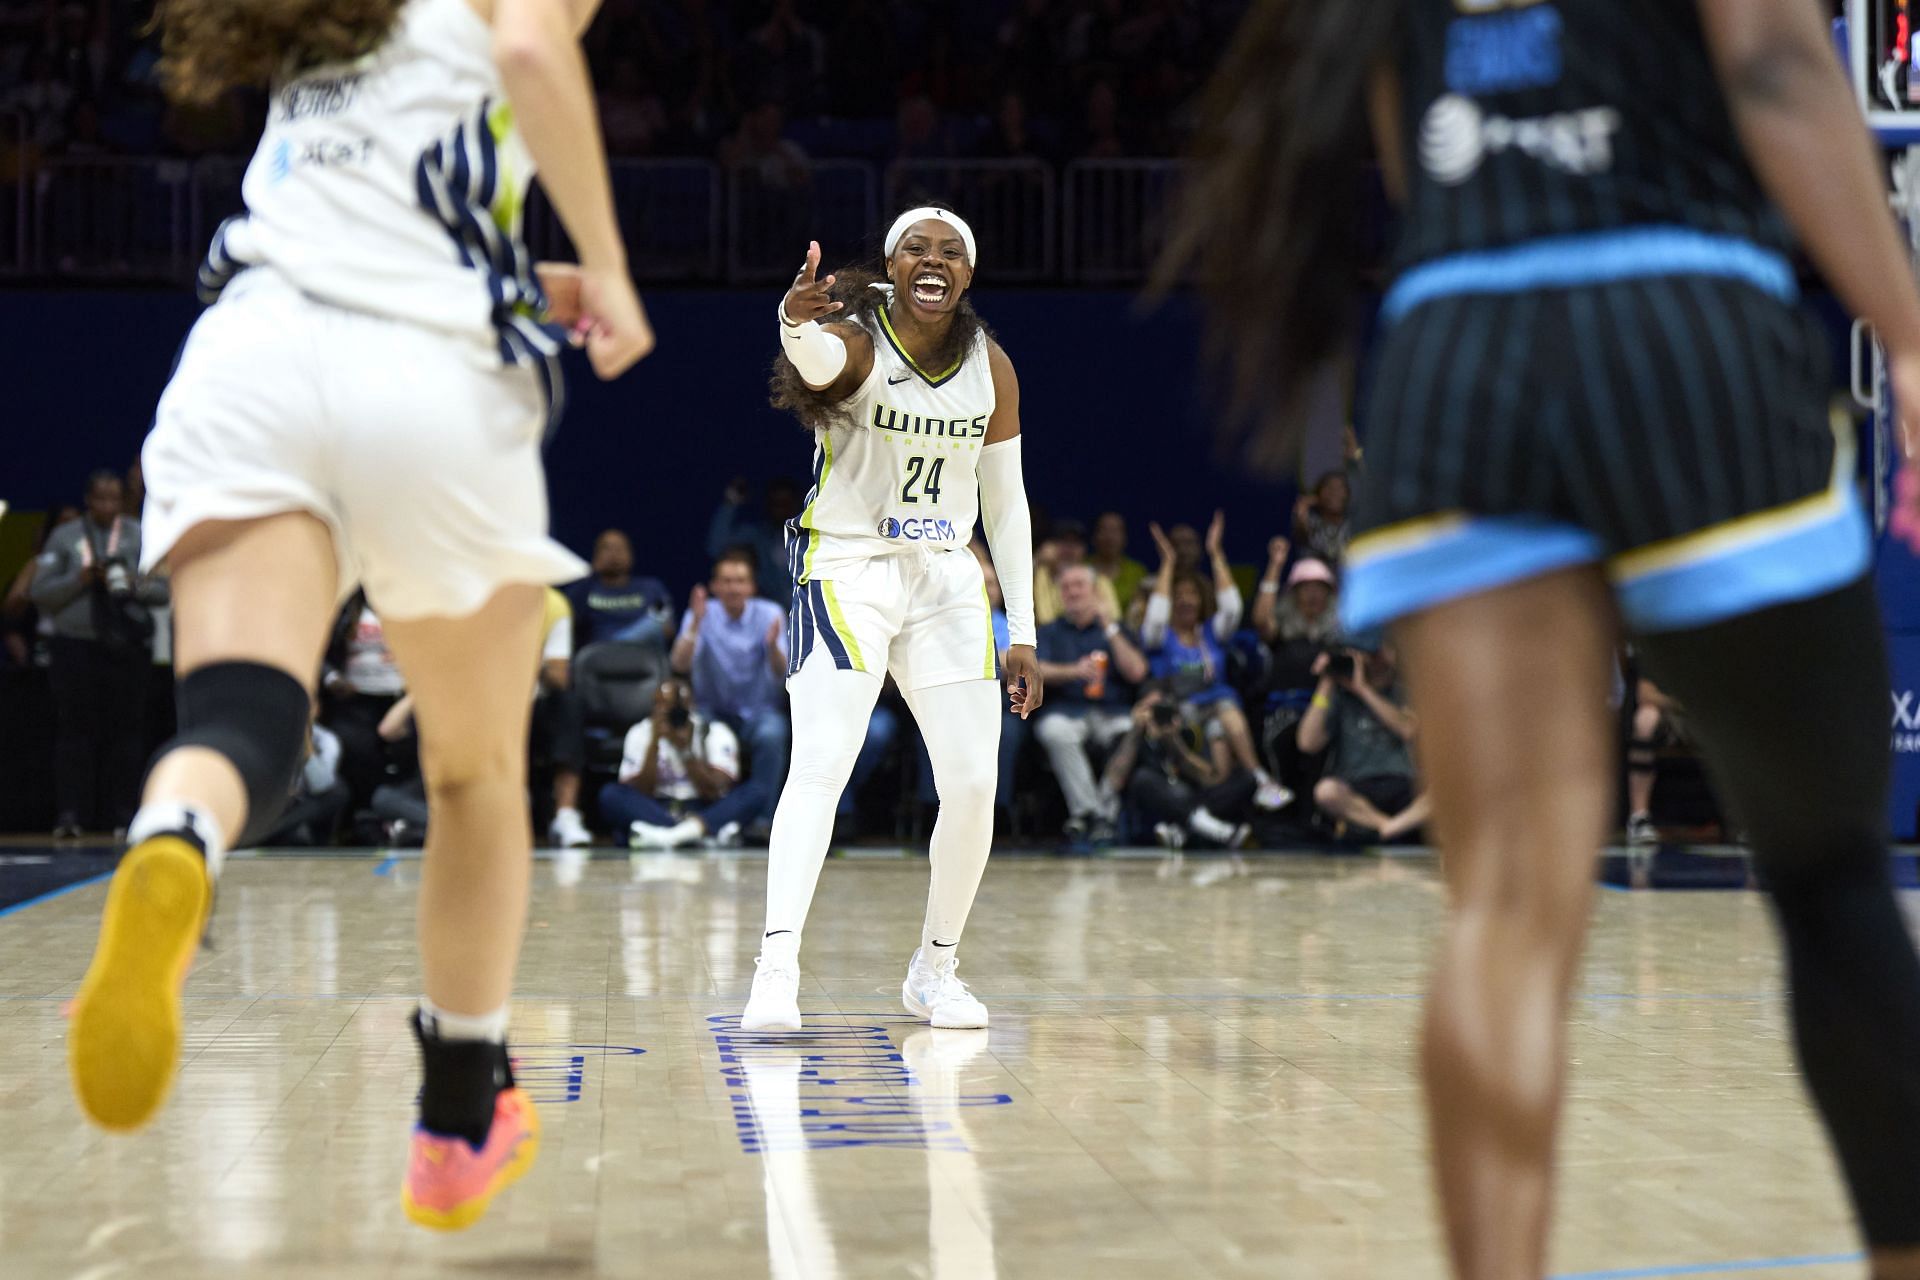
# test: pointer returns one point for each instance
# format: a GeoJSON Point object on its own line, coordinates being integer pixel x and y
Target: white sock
{"type": "Point", "coordinates": [783, 946]}
{"type": "Point", "coordinates": [960, 723]}
{"type": "Point", "coordinates": [169, 815]}
{"type": "Point", "coordinates": [464, 1026]}
{"type": "Point", "coordinates": [1262, 777]}
{"type": "Point", "coordinates": [565, 815]}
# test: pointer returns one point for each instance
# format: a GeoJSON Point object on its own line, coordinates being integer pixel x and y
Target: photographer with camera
{"type": "Point", "coordinates": [1181, 775]}
{"type": "Point", "coordinates": [1360, 717]}
{"type": "Point", "coordinates": [87, 581]}
{"type": "Point", "coordinates": [678, 776]}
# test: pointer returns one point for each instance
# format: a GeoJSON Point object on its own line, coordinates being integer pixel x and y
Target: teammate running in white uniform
{"type": "Point", "coordinates": [916, 417]}
{"type": "Point", "coordinates": [365, 403]}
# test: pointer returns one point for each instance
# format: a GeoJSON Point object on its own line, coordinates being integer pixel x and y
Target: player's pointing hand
{"type": "Point", "coordinates": [809, 299]}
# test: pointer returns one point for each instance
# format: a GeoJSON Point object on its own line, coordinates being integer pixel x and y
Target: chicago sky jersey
{"type": "Point", "coordinates": [897, 473]}
{"type": "Point", "coordinates": [394, 184]}
{"type": "Point", "coordinates": [1525, 119]}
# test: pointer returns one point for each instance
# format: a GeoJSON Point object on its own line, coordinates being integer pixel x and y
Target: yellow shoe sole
{"type": "Point", "coordinates": [124, 1042]}
{"type": "Point", "coordinates": [468, 1212]}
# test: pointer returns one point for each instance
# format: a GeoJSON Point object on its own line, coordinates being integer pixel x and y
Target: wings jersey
{"type": "Point", "coordinates": [897, 475]}
{"type": "Point", "coordinates": [394, 184]}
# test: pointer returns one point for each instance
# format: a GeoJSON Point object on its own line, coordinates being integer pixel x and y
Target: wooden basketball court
{"type": "Point", "coordinates": [1198, 1068]}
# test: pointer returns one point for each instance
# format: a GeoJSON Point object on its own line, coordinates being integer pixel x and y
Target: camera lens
{"type": "Point", "coordinates": [678, 716]}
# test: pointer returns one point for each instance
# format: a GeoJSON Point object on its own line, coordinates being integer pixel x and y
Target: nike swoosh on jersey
{"type": "Point", "coordinates": [894, 380]}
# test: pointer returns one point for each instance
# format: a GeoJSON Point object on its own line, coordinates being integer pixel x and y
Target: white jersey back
{"type": "Point", "coordinates": [394, 184]}
{"type": "Point", "coordinates": [899, 475]}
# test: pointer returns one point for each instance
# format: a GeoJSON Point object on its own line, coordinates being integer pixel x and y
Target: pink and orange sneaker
{"type": "Point", "coordinates": [450, 1183]}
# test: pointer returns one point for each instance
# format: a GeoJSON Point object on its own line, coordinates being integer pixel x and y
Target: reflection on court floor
{"type": "Point", "coordinates": [1197, 1068]}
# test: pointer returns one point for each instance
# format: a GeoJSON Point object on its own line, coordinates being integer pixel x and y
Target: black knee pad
{"type": "Point", "coordinates": [255, 716]}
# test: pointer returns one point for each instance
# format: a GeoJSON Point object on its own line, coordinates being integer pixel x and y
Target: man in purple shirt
{"type": "Point", "coordinates": [733, 645]}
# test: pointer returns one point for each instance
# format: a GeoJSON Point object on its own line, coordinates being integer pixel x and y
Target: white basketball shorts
{"type": "Point", "coordinates": [922, 616]}
{"type": "Point", "coordinates": [419, 451]}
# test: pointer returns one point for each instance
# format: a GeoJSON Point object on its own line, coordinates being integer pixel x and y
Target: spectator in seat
{"type": "Point", "coordinates": [559, 724]}
{"type": "Point", "coordinates": [1296, 625]}
{"type": "Point", "coordinates": [1182, 779]}
{"type": "Point", "coordinates": [1655, 722]}
{"type": "Point", "coordinates": [679, 778]}
{"type": "Point", "coordinates": [312, 816]}
{"type": "Point", "coordinates": [362, 682]}
{"type": "Point", "coordinates": [1089, 663]}
{"type": "Point", "coordinates": [1110, 560]}
{"type": "Point", "coordinates": [766, 159]}
{"type": "Point", "coordinates": [733, 645]}
{"type": "Point", "coordinates": [1360, 718]}
{"type": "Point", "coordinates": [1320, 524]}
{"type": "Point", "coordinates": [1063, 548]}
{"type": "Point", "coordinates": [1188, 651]}
{"type": "Point", "coordinates": [400, 801]}
{"type": "Point", "coordinates": [1185, 540]}
{"type": "Point", "coordinates": [615, 605]}
{"type": "Point", "coordinates": [88, 584]}
{"type": "Point", "coordinates": [735, 525]}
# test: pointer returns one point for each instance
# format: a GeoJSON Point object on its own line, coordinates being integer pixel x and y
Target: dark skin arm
{"type": "Point", "coordinates": [811, 298]}
{"type": "Point", "coordinates": [1802, 131]}
{"type": "Point", "coordinates": [710, 782]}
{"type": "Point", "coordinates": [1026, 686]}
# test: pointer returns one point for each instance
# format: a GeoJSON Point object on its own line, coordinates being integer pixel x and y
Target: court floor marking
{"type": "Point", "coordinates": [51, 894]}
{"type": "Point", "coordinates": [1715, 1268]}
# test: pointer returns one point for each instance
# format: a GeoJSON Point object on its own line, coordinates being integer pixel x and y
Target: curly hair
{"type": "Point", "coordinates": [210, 46]}
{"type": "Point", "coordinates": [853, 286]}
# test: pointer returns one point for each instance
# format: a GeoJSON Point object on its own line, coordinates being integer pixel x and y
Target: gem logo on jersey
{"type": "Point", "coordinates": [1457, 136]}
{"type": "Point", "coordinates": [930, 529]}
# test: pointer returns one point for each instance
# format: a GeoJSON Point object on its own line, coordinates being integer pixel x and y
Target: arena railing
{"type": "Point", "coordinates": [670, 218]}
{"type": "Point", "coordinates": [16, 181]}
{"type": "Point", "coordinates": [1010, 205]}
{"type": "Point", "coordinates": [1116, 217]}
{"type": "Point", "coordinates": [99, 217]}
{"type": "Point", "coordinates": [770, 218]}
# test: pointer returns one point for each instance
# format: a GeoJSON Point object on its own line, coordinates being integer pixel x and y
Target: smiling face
{"type": "Point", "coordinates": [1187, 602]}
{"type": "Point", "coordinates": [929, 269]}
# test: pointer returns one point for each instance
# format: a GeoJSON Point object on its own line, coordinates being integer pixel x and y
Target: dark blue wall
{"type": "Point", "coordinates": [1111, 404]}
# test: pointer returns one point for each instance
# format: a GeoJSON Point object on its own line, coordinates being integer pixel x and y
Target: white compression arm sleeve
{"type": "Point", "coordinates": [1003, 509]}
{"type": "Point", "coordinates": [818, 354]}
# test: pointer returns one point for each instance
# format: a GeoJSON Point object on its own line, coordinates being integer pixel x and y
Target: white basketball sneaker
{"type": "Point", "coordinates": [774, 1004]}
{"type": "Point", "coordinates": [933, 991]}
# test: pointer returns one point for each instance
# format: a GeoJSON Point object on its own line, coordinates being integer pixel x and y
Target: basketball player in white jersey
{"type": "Point", "coordinates": [365, 403]}
{"type": "Point", "coordinates": [915, 413]}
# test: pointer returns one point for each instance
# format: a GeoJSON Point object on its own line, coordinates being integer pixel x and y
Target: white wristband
{"type": "Point", "coordinates": [819, 355]}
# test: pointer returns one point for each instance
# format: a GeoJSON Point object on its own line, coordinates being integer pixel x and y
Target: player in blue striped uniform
{"type": "Point", "coordinates": [1595, 408]}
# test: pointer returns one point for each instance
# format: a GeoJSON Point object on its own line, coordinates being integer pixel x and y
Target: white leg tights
{"type": "Point", "coordinates": [831, 709]}
{"type": "Point", "coordinates": [961, 726]}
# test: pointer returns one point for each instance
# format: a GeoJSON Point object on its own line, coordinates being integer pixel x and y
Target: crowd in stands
{"type": "Point", "coordinates": [1176, 711]}
{"type": "Point", "coordinates": [761, 83]}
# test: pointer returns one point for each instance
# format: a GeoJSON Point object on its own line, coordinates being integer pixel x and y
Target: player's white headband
{"type": "Point", "coordinates": [947, 216]}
